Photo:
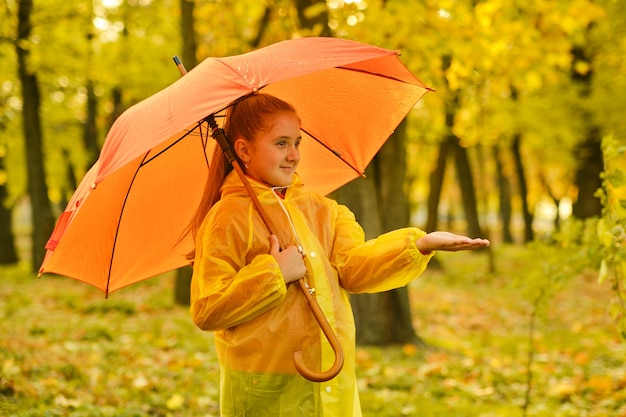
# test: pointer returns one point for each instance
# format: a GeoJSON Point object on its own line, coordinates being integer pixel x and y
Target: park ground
{"type": "Point", "coordinates": [65, 350]}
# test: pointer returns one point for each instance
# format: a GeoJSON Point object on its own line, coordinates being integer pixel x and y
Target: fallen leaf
{"type": "Point", "coordinates": [409, 349]}
{"type": "Point", "coordinates": [600, 384]}
{"type": "Point", "coordinates": [563, 389]}
{"type": "Point", "coordinates": [175, 402]}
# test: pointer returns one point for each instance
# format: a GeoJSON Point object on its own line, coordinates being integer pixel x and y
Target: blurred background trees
{"type": "Point", "coordinates": [507, 147]}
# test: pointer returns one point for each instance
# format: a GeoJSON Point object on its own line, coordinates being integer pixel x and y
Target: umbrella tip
{"type": "Point", "coordinates": [179, 64]}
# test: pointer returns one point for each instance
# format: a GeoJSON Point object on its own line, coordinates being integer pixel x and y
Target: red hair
{"type": "Point", "coordinates": [245, 119]}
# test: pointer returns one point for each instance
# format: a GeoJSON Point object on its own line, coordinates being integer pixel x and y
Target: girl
{"type": "Point", "coordinates": [241, 286]}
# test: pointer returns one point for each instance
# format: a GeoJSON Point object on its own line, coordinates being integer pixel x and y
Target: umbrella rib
{"type": "Point", "coordinates": [204, 136]}
{"type": "Point", "coordinates": [130, 186]}
{"type": "Point", "coordinates": [145, 161]}
{"type": "Point", "coordinates": [334, 152]}
{"type": "Point", "coordinates": [119, 223]}
{"type": "Point", "coordinates": [387, 76]}
{"type": "Point", "coordinates": [337, 154]}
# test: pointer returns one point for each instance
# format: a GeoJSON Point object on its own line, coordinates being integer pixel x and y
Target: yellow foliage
{"type": "Point", "coordinates": [484, 13]}
{"type": "Point", "coordinates": [62, 401]}
{"type": "Point", "coordinates": [582, 358]}
{"type": "Point", "coordinates": [453, 81]}
{"type": "Point", "coordinates": [563, 389]}
{"type": "Point", "coordinates": [604, 235]}
{"type": "Point", "coordinates": [585, 12]}
{"type": "Point", "coordinates": [50, 382]}
{"type": "Point", "coordinates": [600, 384]}
{"type": "Point", "coordinates": [616, 186]}
{"type": "Point", "coordinates": [10, 368]}
{"type": "Point", "coordinates": [175, 402]}
{"type": "Point", "coordinates": [569, 24]}
{"type": "Point", "coordinates": [582, 67]}
{"type": "Point", "coordinates": [533, 81]}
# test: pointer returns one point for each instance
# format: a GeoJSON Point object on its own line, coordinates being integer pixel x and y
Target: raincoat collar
{"type": "Point", "coordinates": [233, 186]}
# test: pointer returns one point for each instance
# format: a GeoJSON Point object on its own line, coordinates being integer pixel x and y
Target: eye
{"type": "Point", "coordinates": [297, 144]}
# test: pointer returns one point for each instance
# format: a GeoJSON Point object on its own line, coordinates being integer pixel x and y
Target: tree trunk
{"type": "Point", "coordinates": [446, 147]}
{"type": "Point", "coordinates": [118, 106]}
{"type": "Point", "coordinates": [263, 25]}
{"type": "Point", "coordinates": [188, 32]}
{"type": "Point", "coordinates": [380, 205]}
{"type": "Point", "coordinates": [360, 196]}
{"type": "Point", "coordinates": [182, 282]}
{"type": "Point", "coordinates": [589, 153]}
{"type": "Point", "coordinates": [313, 15]}
{"type": "Point", "coordinates": [43, 222]}
{"type": "Point", "coordinates": [452, 146]}
{"type": "Point", "coordinates": [523, 187]}
{"type": "Point", "coordinates": [436, 179]}
{"type": "Point", "coordinates": [588, 177]}
{"type": "Point", "coordinates": [465, 177]}
{"type": "Point", "coordinates": [555, 200]}
{"type": "Point", "coordinates": [504, 197]}
{"type": "Point", "coordinates": [90, 127]}
{"type": "Point", "coordinates": [381, 318]}
{"type": "Point", "coordinates": [8, 253]}
{"type": "Point", "coordinates": [395, 214]}
{"type": "Point", "coordinates": [71, 182]}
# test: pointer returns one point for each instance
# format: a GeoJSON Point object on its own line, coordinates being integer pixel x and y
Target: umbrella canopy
{"type": "Point", "coordinates": [125, 220]}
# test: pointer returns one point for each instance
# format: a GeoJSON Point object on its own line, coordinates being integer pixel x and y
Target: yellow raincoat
{"type": "Point", "coordinates": [238, 291]}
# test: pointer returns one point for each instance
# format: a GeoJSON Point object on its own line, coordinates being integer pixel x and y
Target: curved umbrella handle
{"type": "Point", "coordinates": [330, 335]}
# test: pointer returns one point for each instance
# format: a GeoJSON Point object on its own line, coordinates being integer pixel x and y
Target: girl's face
{"type": "Point", "coordinates": [272, 158]}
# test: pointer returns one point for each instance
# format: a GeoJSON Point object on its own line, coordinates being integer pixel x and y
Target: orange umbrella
{"type": "Point", "coordinates": [124, 222]}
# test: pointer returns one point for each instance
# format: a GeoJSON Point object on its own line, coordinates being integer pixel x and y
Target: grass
{"type": "Point", "coordinates": [65, 350]}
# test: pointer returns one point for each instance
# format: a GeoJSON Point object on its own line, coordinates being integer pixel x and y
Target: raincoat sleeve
{"type": "Point", "coordinates": [390, 261]}
{"type": "Point", "coordinates": [225, 291]}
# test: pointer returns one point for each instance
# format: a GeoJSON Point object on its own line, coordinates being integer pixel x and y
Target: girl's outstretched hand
{"type": "Point", "coordinates": [447, 241]}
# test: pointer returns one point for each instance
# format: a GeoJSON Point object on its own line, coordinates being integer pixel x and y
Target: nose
{"type": "Point", "coordinates": [294, 154]}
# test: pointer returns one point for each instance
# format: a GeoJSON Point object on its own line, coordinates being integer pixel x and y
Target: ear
{"type": "Point", "coordinates": [242, 149]}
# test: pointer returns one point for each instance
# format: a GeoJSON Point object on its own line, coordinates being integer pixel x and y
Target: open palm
{"type": "Point", "coordinates": [450, 242]}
